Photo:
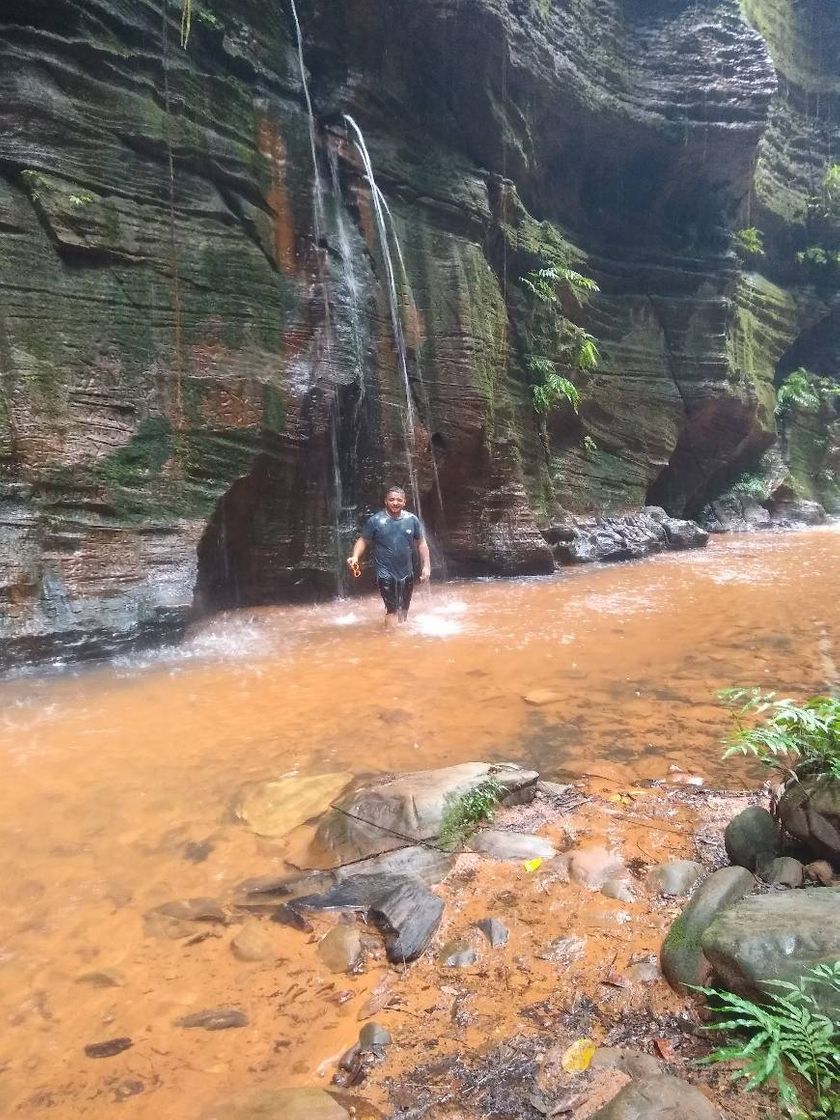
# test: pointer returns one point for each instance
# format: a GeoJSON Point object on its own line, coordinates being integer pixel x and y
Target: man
{"type": "Point", "coordinates": [393, 534]}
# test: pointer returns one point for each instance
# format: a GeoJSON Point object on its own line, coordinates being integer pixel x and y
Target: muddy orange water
{"type": "Point", "coordinates": [111, 773]}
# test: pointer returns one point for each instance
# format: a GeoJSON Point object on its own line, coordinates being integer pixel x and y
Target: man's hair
{"type": "Point", "coordinates": [395, 490]}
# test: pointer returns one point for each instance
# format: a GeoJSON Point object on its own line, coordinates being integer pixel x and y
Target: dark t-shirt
{"type": "Point", "coordinates": [392, 540]}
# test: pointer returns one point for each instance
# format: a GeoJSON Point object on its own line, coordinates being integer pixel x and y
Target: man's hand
{"type": "Point", "coordinates": [425, 575]}
{"type": "Point", "coordinates": [353, 565]}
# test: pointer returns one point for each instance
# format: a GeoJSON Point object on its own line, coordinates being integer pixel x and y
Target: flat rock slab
{"type": "Point", "coordinates": [278, 1104]}
{"type": "Point", "coordinates": [511, 845]}
{"type": "Point", "coordinates": [774, 937]}
{"type": "Point", "coordinates": [658, 1098]}
{"type": "Point", "coordinates": [214, 1019]}
{"type": "Point", "coordinates": [274, 808]}
{"type": "Point", "coordinates": [407, 810]}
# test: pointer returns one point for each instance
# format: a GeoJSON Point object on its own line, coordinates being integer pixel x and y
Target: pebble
{"type": "Point", "coordinates": [372, 1035]}
{"type": "Point", "coordinates": [341, 948]}
{"type": "Point", "coordinates": [253, 944]}
{"type": "Point", "coordinates": [457, 954]}
{"type": "Point", "coordinates": [495, 931]}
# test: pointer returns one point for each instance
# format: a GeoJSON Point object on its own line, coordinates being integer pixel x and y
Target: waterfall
{"type": "Point", "coordinates": [319, 223]}
{"type": "Point", "coordinates": [391, 289]}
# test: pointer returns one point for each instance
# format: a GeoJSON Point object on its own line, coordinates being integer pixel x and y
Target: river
{"type": "Point", "coordinates": [116, 775]}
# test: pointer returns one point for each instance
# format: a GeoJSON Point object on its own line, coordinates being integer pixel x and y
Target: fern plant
{"type": "Point", "coordinates": [798, 390]}
{"type": "Point", "coordinates": [802, 740]}
{"type": "Point", "coordinates": [791, 1033]}
{"type": "Point", "coordinates": [750, 241]}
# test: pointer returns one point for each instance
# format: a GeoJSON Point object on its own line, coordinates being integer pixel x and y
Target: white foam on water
{"type": "Point", "coordinates": [351, 619]}
{"type": "Point", "coordinates": [435, 626]}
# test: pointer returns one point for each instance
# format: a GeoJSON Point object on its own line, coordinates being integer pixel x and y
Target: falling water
{"type": "Point", "coordinates": [319, 226]}
{"type": "Point", "coordinates": [396, 324]}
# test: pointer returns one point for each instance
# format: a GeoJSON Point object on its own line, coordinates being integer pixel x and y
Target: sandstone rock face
{"type": "Point", "coordinates": [658, 1098]}
{"type": "Point", "coordinates": [200, 391]}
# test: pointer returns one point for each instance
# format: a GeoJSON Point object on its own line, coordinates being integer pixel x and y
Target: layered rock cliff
{"type": "Point", "coordinates": [201, 389]}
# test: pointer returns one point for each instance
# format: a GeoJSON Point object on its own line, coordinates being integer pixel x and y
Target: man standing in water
{"type": "Point", "coordinates": [394, 534]}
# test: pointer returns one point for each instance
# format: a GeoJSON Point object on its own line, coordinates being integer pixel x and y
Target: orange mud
{"type": "Point", "coordinates": [112, 772]}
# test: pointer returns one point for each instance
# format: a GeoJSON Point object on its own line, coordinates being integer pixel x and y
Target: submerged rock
{"type": "Point", "coordinates": [278, 1104]}
{"type": "Point", "coordinates": [457, 954]}
{"type": "Point", "coordinates": [592, 867]}
{"type": "Point", "coordinates": [252, 943]}
{"type": "Point", "coordinates": [274, 808]}
{"type": "Point", "coordinates": [214, 1019]}
{"type": "Point", "coordinates": [176, 920]}
{"type": "Point", "coordinates": [341, 948]}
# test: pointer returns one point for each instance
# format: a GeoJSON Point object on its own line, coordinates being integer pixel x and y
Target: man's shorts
{"type": "Point", "coordinates": [396, 594]}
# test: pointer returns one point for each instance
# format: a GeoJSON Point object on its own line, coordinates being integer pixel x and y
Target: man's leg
{"type": "Point", "coordinates": [389, 590]}
{"type": "Point", "coordinates": [404, 589]}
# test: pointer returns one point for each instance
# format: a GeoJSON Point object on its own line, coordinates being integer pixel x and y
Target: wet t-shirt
{"type": "Point", "coordinates": [392, 540]}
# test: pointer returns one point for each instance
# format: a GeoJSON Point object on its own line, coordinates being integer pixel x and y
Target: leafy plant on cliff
{"type": "Point", "coordinates": [805, 391]}
{"type": "Point", "coordinates": [574, 347]}
{"type": "Point", "coordinates": [798, 739]}
{"type": "Point", "coordinates": [465, 813]}
{"type": "Point", "coordinates": [790, 1033]}
{"type": "Point", "coordinates": [186, 21]}
{"type": "Point", "coordinates": [749, 242]}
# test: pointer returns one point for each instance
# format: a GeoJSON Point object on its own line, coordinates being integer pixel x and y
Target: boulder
{"type": "Point", "coordinates": [750, 834]}
{"type": "Point", "coordinates": [810, 811]}
{"type": "Point", "coordinates": [408, 809]}
{"type": "Point", "coordinates": [775, 936]}
{"type": "Point", "coordinates": [634, 1063]}
{"type": "Point", "coordinates": [341, 948]}
{"type": "Point", "coordinates": [682, 959]}
{"type": "Point", "coordinates": [658, 1098]}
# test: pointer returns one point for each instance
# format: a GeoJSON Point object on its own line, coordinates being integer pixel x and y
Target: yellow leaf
{"type": "Point", "coordinates": [532, 864]}
{"type": "Point", "coordinates": [578, 1056]}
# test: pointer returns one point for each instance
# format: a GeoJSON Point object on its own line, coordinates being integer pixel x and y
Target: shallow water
{"type": "Point", "coordinates": [113, 771]}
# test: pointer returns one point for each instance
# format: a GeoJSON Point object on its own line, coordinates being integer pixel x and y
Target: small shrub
{"type": "Point", "coordinates": [465, 813]}
{"type": "Point", "coordinates": [799, 739]}
{"type": "Point", "coordinates": [552, 391]}
{"type": "Point", "coordinates": [790, 1033]}
{"type": "Point", "coordinates": [589, 445]}
{"type": "Point", "coordinates": [750, 241]}
{"type": "Point", "coordinates": [750, 486]}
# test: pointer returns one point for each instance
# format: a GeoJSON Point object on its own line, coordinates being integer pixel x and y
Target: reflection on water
{"type": "Point", "coordinates": [115, 774]}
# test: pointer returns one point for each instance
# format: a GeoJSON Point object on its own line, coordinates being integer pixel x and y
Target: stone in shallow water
{"type": "Point", "coordinates": [341, 948]}
{"type": "Point", "coordinates": [278, 1104]}
{"type": "Point", "coordinates": [592, 867]}
{"type": "Point", "coordinates": [457, 954]}
{"type": "Point", "coordinates": [619, 889]}
{"type": "Point", "coordinates": [495, 931]}
{"type": "Point", "coordinates": [501, 845]}
{"type": "Point", "coordinates": [253, 944]}
{"type": "Point", "coordinates": [214, 1019]}
{"type": "Point", "coordinates": [539, 697]}
{"type": "Point", "coordinates": [275, 808]}
{"type": "Point", "coordinates": [175, 920]}
{"type": "Point", "coordinates": [676, 877]}
{"type": "Point", "coordinates": [372, 1035]}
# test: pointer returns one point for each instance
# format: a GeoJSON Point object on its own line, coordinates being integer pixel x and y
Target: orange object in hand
{"type": "Point", "coordinates": [355, 568]}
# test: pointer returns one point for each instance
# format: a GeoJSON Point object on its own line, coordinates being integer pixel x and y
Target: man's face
{"type": "Point", "coordinates": [394, 502]}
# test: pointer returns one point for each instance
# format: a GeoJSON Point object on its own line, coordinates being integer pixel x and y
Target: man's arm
{"type": "Point", "coordinates": [425, 560]}
{"type": "Point", "coordinates": [356, 555]}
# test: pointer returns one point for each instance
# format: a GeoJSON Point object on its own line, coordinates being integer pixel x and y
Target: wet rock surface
{"type": "Point", "coordinates": [773, 937]}
{"type": "Point", "coordinates": [751, 835]}
{"type": "Point", "coordinates": [810, 811]}
{"type": "Point", "coordinates": [658, 1098]}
